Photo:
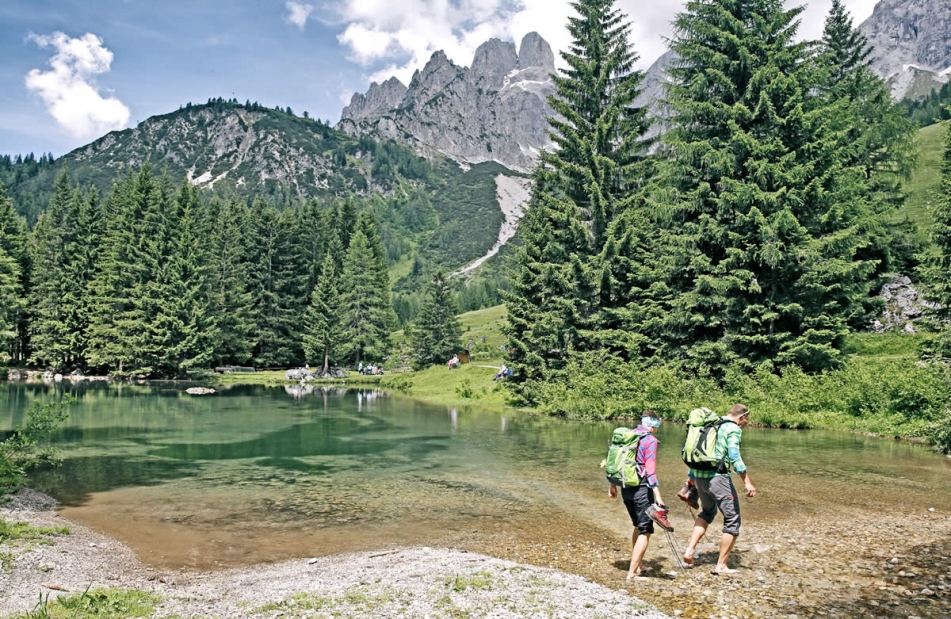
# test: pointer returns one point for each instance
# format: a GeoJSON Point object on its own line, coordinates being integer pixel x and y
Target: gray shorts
{"type": "Point", "coordinates": [719, 492]}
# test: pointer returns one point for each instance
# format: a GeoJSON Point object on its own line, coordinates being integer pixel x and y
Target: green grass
{"type": "Point", "coordinates": [17, 534]}
{"type": "Point", "coordinates": [885, 345]}
{"type": "Point", "coordinates": [485, 323]}
{"type": "Point", "coordinates": [468, 385]}
{"type": "Point", "coordinates": [278, 378]}
{"type": "Point", "coordinates": [926, 179]}
{"type": "Point", "coordinates": [96, 604]}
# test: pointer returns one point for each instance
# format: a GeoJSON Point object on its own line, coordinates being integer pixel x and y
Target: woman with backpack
{"type": "Point", "coordinates": [639, 493]}
{"type": "Point", "coordinates": [715, 484]}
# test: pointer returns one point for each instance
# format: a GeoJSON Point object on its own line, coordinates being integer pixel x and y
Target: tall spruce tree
{"type": "Point", "coordinates": [366, 305]}
{"type": "Point", "coordinates": [118, 302]}
{"type": "Point", "coordinates": [230, 294]}
{"type": "Point", "coordinates": [184, 328]}
{"type": "Point", "coordinates": [764, 228]}
{"type": "Point", "coordinates": [876, 138]}
{"type": "Point", "coordinates": [15, 244]}
{"type": "Point", "coordinates": [277, 286]}
{"type": "Point", "coordinates": [435, 334]}
{"type": "Point", "coordinates": [50, 328]}
{"type": "Point", "coordinates": [323, 322]}
{"type": "Point", "coordinates": [11, 303]}
{"type": "Point", "coordinates": [936, 268]}
{"type": "Point", "coordinates": [579, 189]}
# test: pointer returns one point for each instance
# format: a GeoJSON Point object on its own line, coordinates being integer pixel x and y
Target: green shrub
{"type": "Point", "coordinates": [29, 446]}
{"type": "Point", "coordinates": [898, 396]}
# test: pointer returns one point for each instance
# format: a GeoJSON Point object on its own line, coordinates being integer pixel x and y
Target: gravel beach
{"type": "Point", "coordinates": [405, 582]}
{"type": "Point", "coordinates": [855, 561]}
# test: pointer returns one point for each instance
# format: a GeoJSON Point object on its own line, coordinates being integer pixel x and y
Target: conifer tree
{"type": "Point", "coordinates": [435, 334]}
{"type": "Point", "coordinates": [763, 230]}
{"type": "Point", "coordinates": [50, 296]}
{"type": "Point", "coordinates": [117, 299]}
{"type": "Point", "coordinates": [366, 306]}
{"type": "Point", "coordinates": [368, 224]}
{"type": "Point", "coordinates": [876, 138]}
{"type": "Point", "coordinates": [11, 303]}
{"type": "Point", "coordinates": [579, 189]}
{"type": "Point", "coordinates": [14, 243]}
{"type": "Point", "coordinates": [230, 294]}
{"type": "Point", "coordinates": [323, 322]}
{"type": "Point", "coordinates": [183, 330]}
{"type": "Point", "coordinates": [276, 287]}
{"type": "Point", "coordinates": [936, 268]}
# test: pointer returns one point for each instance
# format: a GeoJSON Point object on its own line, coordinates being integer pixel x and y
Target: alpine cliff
{"type": "Point", "coordinates": [912, 40]}
{"type": "Point", "coordinates": [493, 110]}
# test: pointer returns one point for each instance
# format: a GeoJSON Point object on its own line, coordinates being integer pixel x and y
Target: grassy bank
{"type": "Point", "coordinates": [883, 388]}
{"type": "Point", "coordinates": [108, 603]}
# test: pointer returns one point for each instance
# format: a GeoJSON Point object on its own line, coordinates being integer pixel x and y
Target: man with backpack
{"type": "Point", "coordinates": [636, 473]}
{"type": "Point", "coordinates": [712, 451]}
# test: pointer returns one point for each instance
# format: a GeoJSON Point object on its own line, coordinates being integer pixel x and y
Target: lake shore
{"type": "Point", "coordinates": [411, 582]}
{"type": "Point", "coordinates": [841, 562]}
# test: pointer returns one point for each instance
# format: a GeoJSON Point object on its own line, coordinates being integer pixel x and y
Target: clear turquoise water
{"type": "Point", "coordinates": [256, 473]}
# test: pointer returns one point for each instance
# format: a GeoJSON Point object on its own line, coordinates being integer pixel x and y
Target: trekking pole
{"type": "Point", "coordinates": [676, 551]}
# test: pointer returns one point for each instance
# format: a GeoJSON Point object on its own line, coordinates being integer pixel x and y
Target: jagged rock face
{"type": "Point", "coordinates": [493, 110]}
{"type": "Point", "coordinates": [912, 40]}
{"type": "Point", "coordinates": [380, 99]}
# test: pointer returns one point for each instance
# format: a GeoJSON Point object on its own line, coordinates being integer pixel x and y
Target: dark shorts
{"type": "Point", "coordinates": [637, 499]}
{"type": "Point", "coordinates": [720, 493]}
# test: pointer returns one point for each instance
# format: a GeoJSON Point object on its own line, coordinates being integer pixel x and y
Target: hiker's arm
{"type": "Point", "coordinates": [657, 497]}
{"type": "Point", "coordinates": [612, 491]}
{"type": "Point", "coordinates": [733, 451]}
{"type": "Point", "coordinates": [750, 488]}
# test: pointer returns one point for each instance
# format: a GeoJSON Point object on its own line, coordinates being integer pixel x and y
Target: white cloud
{"type": "Point", "coordinates": [403, 34]}
{"type": "Point", "coordinates": [297, 13]}
{"type": "Point", "coordinates": [69, 90]}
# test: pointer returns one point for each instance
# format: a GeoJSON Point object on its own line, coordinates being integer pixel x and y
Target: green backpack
{"type": "Point", "coordinates": [620, 466]}
{"type": "Point", "coordinates": [700, 446]}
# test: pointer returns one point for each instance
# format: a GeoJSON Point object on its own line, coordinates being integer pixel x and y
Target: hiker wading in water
{"type": "Point", "coordinates": [717, 491]}
{"type": "Point", "coordinates": [637, 499]}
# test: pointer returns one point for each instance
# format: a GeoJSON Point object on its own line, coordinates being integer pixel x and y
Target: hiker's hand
{"type": "Point", "coordinates": [612, 491]}
{"type": "Point", "coordinates": [750, 490]}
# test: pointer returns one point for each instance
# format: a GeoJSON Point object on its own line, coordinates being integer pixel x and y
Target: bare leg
{"type": "Point", "coordinates": [639, 544]}
{"type": "Point", "coordinates": [699, 528]}
{"type": "Point", "coordinates": [726, 547]}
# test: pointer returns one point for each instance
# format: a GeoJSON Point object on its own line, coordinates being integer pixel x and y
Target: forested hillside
{"type": "Point", "coordinates": [433, 214]}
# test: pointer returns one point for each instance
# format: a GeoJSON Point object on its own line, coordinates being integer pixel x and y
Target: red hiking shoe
{"type": "Point", "coordinates": [658, 513]}
{"type": "Point", "coordinates": [688, 494]}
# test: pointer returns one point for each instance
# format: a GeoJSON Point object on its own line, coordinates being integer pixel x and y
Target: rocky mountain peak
{"type": "Point", "coordinates": [493, 60]}
{"type": "Point", "coordinates": [912, 40]}
{"type": "Point", "coordinates": [536, 52]}
{"type": "Point", "coordinates": [378, 100]}
{"type": "Point", "coordinates": [493, 110]}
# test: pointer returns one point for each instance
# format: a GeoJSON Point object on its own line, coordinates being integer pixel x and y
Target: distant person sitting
{"type": "Point", "coordinates": [453, 363]}
{"type": "Point", "coordinates": [503, 373]}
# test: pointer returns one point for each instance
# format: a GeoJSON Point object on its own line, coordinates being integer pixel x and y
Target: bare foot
{"type": "Point", "coordinates": [722, 570]}
{"type": "Point", "coordinates": [688, 559]}
{"type": "Point", "coordinates": [637, 576]}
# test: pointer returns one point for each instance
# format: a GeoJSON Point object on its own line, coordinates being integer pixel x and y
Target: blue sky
{"type": "Point", "coordinates": [73, 70]}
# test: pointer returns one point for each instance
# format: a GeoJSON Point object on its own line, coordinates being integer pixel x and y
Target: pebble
{"type": "Point", "coordinates": [895, 561]}
{"type": "Point", "coordinates": [312, 561]}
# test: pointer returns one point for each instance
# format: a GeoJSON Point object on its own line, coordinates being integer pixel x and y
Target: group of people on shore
{"type": "Point", "coordinates": [370, 369]}
{"type": "Point", "coordinates": [708, 490]}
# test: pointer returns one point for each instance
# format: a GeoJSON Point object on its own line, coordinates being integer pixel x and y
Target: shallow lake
{"type": "Point", "coordinates": [254, 474]}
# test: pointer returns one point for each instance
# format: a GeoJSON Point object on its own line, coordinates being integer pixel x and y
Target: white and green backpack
{"type": "Point", "coordinates": [620, 467]}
